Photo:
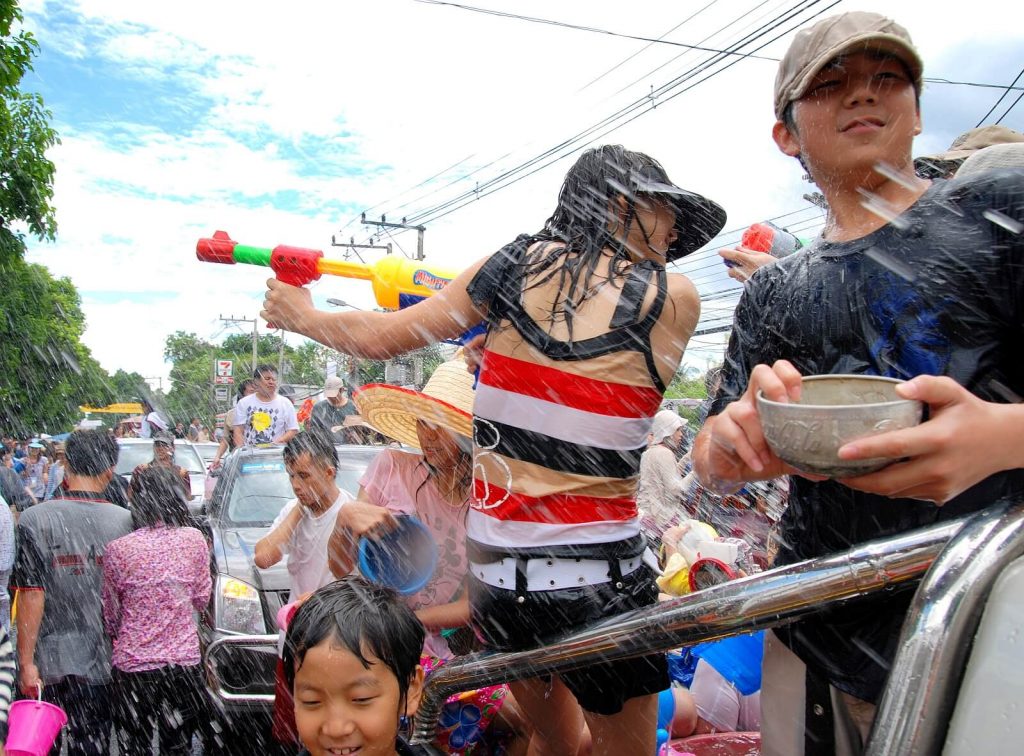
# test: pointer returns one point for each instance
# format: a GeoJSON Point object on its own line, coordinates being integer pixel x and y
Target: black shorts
{"type": "Point", "coordinates": [505, 624]}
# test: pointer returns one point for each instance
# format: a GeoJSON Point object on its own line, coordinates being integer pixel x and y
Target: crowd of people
{"type": "Point", "coordinates": [558, 491]}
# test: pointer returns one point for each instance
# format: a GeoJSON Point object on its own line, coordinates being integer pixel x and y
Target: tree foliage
{"type": "Point", "coordinates": [47, 371]}
{"type": "Point", "coordinates": [26, 175]}
{"type": "Point", "coordinates": [192, 359]}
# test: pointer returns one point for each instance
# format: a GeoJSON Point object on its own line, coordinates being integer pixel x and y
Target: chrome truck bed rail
{"type": "Point", "coordinates": [214, 680]}
{"type": "Point", "coordinates": [935, 644]}
{"type": "Point", "coordinates": [772, 598]}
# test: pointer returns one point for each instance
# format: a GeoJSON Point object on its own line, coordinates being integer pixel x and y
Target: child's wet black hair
{"type": "Point", "coordinates": [366, 619]}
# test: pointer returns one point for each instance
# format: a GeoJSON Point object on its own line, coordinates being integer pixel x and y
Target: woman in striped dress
{"type": "Point", "coordinates": [586, 329]}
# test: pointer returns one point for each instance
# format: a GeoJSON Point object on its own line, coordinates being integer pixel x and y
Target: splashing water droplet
{"type": "Point", "coordinates": [906, 179]}
{"type": "Point", "coordinates": [1012, 225]}
{"type": "Point", "coordinates": [883, 209]}
{"type": "Point", "coordinates": [898, 267]}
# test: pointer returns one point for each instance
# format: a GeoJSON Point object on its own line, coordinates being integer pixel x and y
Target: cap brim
{"type": "Point", "coordinates": [394, 410]}
{"type": "Point", "coordinates": [331, 393]}
{"type": "Point", "coordinates": [698, 219]}
{"type": "Point", "coordinates": [890, 43]}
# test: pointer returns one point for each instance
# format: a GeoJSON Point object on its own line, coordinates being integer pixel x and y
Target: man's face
{"type": "Point", "coordinates": [312, 482]}
{"type": "Point", "coordinates": [859, 111]}
{"type": "Point", "coordinates": [266, 384]}
{"type": "Point", "coordinates": [163, 452]}
{"type": "Point", "coordinates": [339, 399]}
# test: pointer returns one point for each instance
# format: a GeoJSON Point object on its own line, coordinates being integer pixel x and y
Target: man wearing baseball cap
{"type": "Point", "coordinates": [331, 411]}
{"type": "Point", "coordinates": [910, 279]}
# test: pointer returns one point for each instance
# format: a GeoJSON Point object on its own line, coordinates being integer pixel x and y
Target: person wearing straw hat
{"type": "Point", "coordinates": [435, 486]}
{"type": "Point", "coordinates": [586, 330]}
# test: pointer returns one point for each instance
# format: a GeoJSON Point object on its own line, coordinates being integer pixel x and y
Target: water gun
{"type": "Point", "coordinates": [768, 238]}
{"type": "Point", "coordinates": [397, 282]}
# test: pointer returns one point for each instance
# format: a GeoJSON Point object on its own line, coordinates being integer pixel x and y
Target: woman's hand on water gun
{"type": "Point", "coordinates": [965, 440]}
{"type": "Point", "coordinates": [288, 307]}
{"type": "Point", "coordinates": [363, 519]}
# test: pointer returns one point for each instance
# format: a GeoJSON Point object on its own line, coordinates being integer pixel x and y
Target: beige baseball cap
{"type": "Point", "coordinates": [333, 386]}
{"type": "Point", "coordinates": [814, 47]}
{"type": "Point", "coordinates": [976, 139]}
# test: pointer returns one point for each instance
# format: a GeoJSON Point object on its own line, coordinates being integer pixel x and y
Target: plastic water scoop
{"type": "Point", "coordinates": [403, 559]}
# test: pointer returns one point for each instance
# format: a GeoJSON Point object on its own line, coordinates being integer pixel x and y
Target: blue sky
{"type": "Point", "coordinates": [280, 124]}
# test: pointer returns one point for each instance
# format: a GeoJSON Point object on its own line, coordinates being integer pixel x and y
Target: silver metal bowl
{"type": "Point", "coordinates": [834, 410]}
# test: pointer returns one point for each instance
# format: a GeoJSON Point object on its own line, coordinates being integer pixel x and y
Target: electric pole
{"type": "Point", "coordinates": [255, 335]}
{"type": "Point", "coordinates": [383, 223]}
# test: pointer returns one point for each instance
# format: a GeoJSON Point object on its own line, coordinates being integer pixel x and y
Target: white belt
{"type": "Point", "coordinates": [556, 574]}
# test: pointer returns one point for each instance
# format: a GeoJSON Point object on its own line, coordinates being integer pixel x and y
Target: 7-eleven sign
{"type": "Point", "coordinates": [224, 368]}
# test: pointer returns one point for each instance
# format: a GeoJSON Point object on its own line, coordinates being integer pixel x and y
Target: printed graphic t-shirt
{"type": "Point", "coordinates": [262, 422]}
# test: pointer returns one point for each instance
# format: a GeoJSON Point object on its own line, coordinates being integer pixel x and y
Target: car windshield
{"type": "Point", "coordinates": [206, 451]}
{"type": "Point", "coordinates": [133, 455]}
{"type": "Point", "coordinates": [261, 488]}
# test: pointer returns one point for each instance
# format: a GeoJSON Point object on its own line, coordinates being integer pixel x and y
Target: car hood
{"type": "Point", "coordinates": [235, 548]}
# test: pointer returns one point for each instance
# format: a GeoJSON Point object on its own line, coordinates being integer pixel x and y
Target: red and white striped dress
{"type": "Point", "coordinates": [559, 427]}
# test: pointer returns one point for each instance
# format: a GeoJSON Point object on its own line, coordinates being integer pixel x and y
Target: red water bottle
{"type": "Point", "coordinates": [769, 238]}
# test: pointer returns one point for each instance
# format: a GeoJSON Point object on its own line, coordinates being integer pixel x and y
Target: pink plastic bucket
{"type": "Point", "coordinates": [32, 727]}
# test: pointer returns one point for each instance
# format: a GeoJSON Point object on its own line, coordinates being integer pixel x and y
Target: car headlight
{"type": "Point", "coordinates": [238, 607]}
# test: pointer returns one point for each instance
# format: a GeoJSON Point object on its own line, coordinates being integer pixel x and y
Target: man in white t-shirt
{"type": "Point", "coordinates": [264, 417]}
{"type": "Point", "coordinates": [303, 528]}
{"type": "Point", "coordinates": [302, 531]}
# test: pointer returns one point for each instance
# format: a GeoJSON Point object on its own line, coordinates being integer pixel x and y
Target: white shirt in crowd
{"type": "Point", "coordinates": [307, 549]}
{"type": "Point", "coordinates": [262, 422]}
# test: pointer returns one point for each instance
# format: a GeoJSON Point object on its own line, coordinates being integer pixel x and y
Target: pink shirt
{"type": "Point", "coordinates": [400, 482]}
{"type": "Point", "coordinates": [153, 579]}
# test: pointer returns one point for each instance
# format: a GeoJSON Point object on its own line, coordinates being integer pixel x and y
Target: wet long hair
{"type": "Point", "coordinates": [367, 619]}
{"type": "Point", "coordinates": [578, 231]}
{"type": "Point", "coordinates": [157, 498]}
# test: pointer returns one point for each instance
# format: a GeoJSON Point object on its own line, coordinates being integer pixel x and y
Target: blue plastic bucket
{"type": "Point", "coordinates": [403, 559]}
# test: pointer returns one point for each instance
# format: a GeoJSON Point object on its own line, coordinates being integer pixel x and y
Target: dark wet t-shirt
{"type": "Point", "coordinates": [939, 291]}
{"type": "Point", "coordinates": [60, 551]}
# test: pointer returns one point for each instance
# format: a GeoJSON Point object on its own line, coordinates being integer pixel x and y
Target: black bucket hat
{"type": "Point", "coordinates": [698, 219]}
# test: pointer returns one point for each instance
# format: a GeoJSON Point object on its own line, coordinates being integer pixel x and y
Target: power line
{"type": "Point", "coordinates": [1012, 106]}
{"type": "Point", "coordinates": [996, 105]}
{"type": "Point", "coordinates": [592, 29]}
{"type": "Point", "coordinates": [589, 135]}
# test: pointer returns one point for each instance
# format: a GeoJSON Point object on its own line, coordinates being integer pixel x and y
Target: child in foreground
{"type": "Point", "coordinates": [351, 658]}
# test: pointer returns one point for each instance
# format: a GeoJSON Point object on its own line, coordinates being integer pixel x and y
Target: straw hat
{"type": "Point", "coordinates": [446, 400]}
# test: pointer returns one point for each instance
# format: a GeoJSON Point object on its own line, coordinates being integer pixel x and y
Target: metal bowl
{"type": "Point", "coordinates": [834, 410]}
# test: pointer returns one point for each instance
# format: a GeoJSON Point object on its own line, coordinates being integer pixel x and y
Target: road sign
{"type": "Point", "coordinates": [224, 368]}
{"type": "Point", "coordinates": [223, 379]}
{"type": "Point", "coordinates": [221, 393]}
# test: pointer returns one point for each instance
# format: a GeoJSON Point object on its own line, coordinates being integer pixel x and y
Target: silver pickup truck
{"type": "Point", "coordinates": [252, 488]}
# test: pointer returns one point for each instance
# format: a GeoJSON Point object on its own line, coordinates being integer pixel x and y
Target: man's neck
{"type": "Point", "coordinates": [861, 206]}
{"type": "Point", "coordinates": [327, 502]}
{"type": "Point", "coordinates": [264, 397]}
{"type": "Point", "coordinates": [86, 483]}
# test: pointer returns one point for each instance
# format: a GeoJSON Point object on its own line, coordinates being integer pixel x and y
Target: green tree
{"type": "Point", "coordinates": [687, 386]}
{"type": "Point", "coordinates": [26, 175]}
{"type": "Point", "coordinates": [47, 371]}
